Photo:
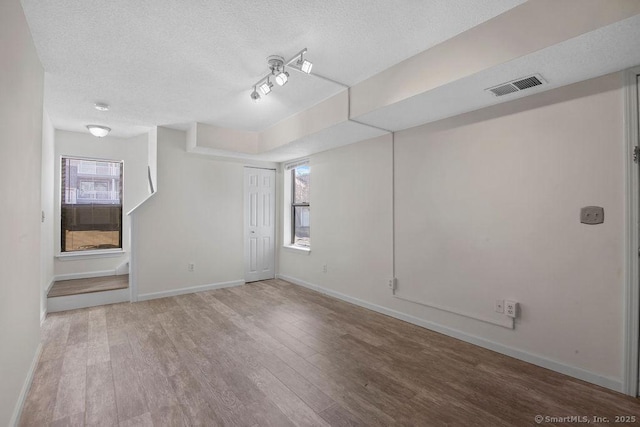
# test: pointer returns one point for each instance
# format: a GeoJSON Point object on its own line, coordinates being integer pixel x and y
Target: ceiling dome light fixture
{"type": "Point", "coordinates": [277, 66]}
{"type": "Point", "coordinates": [101, 106]}
{"type": "Point", "coordinates": [99, 131]}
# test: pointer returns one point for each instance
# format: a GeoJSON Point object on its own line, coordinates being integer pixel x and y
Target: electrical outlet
{"type": "Point", "coordinates": [324, 268]}
{"type": "Point", "coordinates": [511, 308]}
{"type": "Point", "coordinates": [191, 266]}
{"type": "Point", "coordinates": [499, 306]}
{"type": "Point", "coordinates": [392, 284]}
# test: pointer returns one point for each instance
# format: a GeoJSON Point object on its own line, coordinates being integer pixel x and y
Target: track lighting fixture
{"type": "Point", "coordinates": [282, 78]}
{"type": "Point", "coordinates": [266, 86]}
{"type": "Point", "coordinates": [277, 66]}
{"type": "Point", "coordinates": [303, 64]}
{"type": "Point", "coordinates": [255, 96]}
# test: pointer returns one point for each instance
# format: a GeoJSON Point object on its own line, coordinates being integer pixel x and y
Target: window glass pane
{"type": "Point", "coordinates": [301, 226]}
{"type": "Point", "coordinates": [301, 177]}
{"type": "Point", "coordinates": [91, 208]}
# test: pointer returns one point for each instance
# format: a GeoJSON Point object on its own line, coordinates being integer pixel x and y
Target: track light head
{"type": "Point", "coordinates": [282, 78]}
{"type": "Point", "coordinates": [266, 86]}
{"type": "Point", "coordinates": [255, 96]}
{"type": "Point", "coordinates": [305, 66]}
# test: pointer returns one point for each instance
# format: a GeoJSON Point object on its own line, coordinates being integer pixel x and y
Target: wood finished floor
{"type": "Point", "coordinates": [275, 354]}
{"type": "Point", "coordinates": [86, 286]}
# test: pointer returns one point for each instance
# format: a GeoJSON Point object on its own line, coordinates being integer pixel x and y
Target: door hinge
{"type": "Point", "coordinates": [636, 154]}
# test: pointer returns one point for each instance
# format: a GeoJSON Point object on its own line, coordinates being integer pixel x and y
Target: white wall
{"type": "Point", "coordinates": [134, 153]}
{"type": "Point", "coordinates": [47, 203]}
{"type": "Point", "coordinates": [351, 218]}
{"type": "Point", "coordinates": [196, 216]}
{"type": "Point", "coordinates": [486, 207]}
{"type": "Point", "coordinates": [21, 86]}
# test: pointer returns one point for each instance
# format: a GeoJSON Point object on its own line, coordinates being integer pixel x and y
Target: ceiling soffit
{"type": "Point", "coordinates": [421, 74]}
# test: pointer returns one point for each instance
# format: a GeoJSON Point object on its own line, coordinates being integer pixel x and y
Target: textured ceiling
{"type": "Point", "coordinates": [166, 62]}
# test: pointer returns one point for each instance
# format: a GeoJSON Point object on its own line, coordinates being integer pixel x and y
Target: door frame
{"type": "Point", "coordinates": [275, 218]}
{"type": "Point", "coordinates": [630, 377]}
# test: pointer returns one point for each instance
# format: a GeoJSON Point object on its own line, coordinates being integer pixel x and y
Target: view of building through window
{"type": "Point", "coordinates": [300, 208]}
{"type": "Point", "coordinates": [91, 204]}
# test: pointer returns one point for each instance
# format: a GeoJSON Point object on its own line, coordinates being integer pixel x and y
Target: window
{"type": "Point", "coordinates": [300, 209]}
{"type": "Point", "coordinates": [91, 204]}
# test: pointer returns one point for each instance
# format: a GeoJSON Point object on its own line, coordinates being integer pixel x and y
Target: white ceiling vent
{"type": "Point", "coordinates": [517, 85]}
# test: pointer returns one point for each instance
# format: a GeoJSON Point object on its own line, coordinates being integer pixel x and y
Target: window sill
{"type": "Point", "coordinates": [105, 253]}
{"type": "Point", "coordinates": [297, 249]}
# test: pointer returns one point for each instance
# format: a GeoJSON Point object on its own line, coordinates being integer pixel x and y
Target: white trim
{"type": "Point", "coordinates": [294, 164]}
{"type": "Point", "coordinates": [535, 359]}
{"type": "Point", "coordinates": [123, 268]}
{"type": "Point", "coordinates": [50, 286]}
{"type": "Point", "coordinates": [632, 245]}
{"type": "Point", "coordinates": [92, 299]}
{"type": "Point", "coordinates": [17, 410]}
{"type": "Point", "coordinates": [84, 275]}
{"type": "Point", "coordinates": [133, 259]}
{"type": "Point", "coordinates": [297, 249]}
{"type": "Point", "coordinates": [105, 253]}
{"type": "Point", "coordinates": [190, 290]}
{"type": "Point", "coordinates": [506, 322]}
{"type": "Point", "coordinates": [44, 312]}
{"type": "Point", "coordinates": [131, 211]}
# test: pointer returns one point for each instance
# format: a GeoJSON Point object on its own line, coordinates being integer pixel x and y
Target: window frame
{"type": "Point", "coordinates": [290, 206]}
{"type": "Point", "coordinates": [89, 252]}
{"type": "Point", "coordinates": [295, 205]}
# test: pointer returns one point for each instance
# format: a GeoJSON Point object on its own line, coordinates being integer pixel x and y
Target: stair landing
{"type": "Point", "coordinates": [86, 286]}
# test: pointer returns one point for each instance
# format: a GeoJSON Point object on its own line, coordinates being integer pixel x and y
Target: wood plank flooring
{"type": "Point", "coordinates": [86, 286]}
{"type": "Point", "coordinates": [274, 354]}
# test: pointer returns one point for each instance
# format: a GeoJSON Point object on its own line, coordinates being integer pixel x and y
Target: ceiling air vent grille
{"type": "Point", "coordinates": [517, 85]}
{"type": "Point", "coordinates": [504, 89]}
{"type": "Point", "coordinates": [527, 83]}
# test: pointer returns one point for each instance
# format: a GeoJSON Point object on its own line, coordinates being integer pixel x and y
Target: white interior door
{"type": "Point", "coordinates": [259, 224]}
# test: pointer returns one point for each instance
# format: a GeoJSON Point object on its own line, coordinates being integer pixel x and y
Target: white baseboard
{"type": "Point", "coordinates": [122, 268]}
{"type": "Point", "coordinates": [72, 302]}
{"type": "Point", "coordinates": [43, 313]}
{"type": "Point", "coordinates": [190, 290]}
{"type": "Point", "coordinates": [49, 286]}
{"type": "Point", "coordinates": [17, 410]}
{"type": "Point", "coordinates": [534, 359]}
{"type": "Point", "coordinates": [84, 275]}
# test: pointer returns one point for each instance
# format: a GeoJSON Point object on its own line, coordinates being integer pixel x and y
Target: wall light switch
{"type": "Point", "coordinates": [592, 215]}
